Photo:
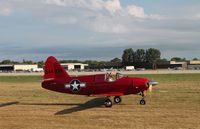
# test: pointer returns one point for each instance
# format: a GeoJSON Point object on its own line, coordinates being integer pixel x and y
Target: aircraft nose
{"type": "Point", "coordinates": [151, 83]}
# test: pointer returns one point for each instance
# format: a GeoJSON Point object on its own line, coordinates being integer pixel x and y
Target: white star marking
{"type": "Point", "coordinates": [75, 86]}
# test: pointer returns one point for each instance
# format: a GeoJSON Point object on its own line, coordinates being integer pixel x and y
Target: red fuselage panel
{"type": "Point", "coordinates": [96, 85]}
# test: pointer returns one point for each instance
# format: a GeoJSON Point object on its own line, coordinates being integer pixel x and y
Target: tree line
{"type": "Point", "coordinates": [140, 58]}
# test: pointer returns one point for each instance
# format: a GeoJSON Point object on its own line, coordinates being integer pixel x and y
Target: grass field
{"type": "Point", "coordinates": [173, 104]}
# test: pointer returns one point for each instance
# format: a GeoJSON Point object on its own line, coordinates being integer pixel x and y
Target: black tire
{"type": "Point", "coordinates": [117, 99]}
{"type": "Point", "coordinates": [108, 103]}
{"type": "Point", "coordinates": [142, 102]}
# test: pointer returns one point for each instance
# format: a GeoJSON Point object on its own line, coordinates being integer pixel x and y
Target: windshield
{"type": "Point", "coordinates": [119, 75]}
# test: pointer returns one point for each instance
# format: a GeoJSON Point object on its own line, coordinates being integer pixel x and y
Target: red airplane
{"type": "Point", "coordinates": [57, 79]}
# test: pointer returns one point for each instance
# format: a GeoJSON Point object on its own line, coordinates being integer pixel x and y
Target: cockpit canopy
{"type": "Point", "coordinates": [108, 77]}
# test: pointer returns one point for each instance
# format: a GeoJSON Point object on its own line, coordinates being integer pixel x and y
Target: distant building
{"type": "Point", "coordinates": [18, 67]}
{"type": "Point", "coordinates": [178, 65]}
{"type": "Point", "coordinates": [194, 65]}
{"type": "Point", "coordinates": [74, 66]}
{"type": "Point", "coordinates": [172, 65]}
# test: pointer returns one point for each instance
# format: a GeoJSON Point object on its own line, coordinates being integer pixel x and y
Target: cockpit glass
{"type": "Point", "coordinates": [119, 75]}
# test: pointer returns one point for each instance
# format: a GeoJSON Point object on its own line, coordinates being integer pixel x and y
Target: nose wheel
{"type": "Point", "coordinates": [142, 101]}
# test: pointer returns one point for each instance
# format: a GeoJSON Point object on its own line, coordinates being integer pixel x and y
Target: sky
{"type": "Point", "coordinates": [97, 29]}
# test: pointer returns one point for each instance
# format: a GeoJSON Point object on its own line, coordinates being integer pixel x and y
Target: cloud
{"type": "Point", "coordinates": [55, 2]}
{"type": "Point", "coordinates": [136, 11]}
{"type": "Point", "coordinates": [88, 24]}
{"type": "Point", "coordinates": [5, 10]}
{"type": "Point", "coordinates": [107, 27]}
{"type": "Point", "coordinates": [64, 20]}
{"type": "Point", "coordinates": [103, 16]}
{"type": "Point", "coordinates": [113, 6]}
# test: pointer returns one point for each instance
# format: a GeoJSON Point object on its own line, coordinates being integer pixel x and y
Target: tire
{"type": "Point", "coordinates": [142, 102]}
{"type": "Point", "coordinates": [108, 103]}
{"type": "Point", "coordinates": [117, 99]}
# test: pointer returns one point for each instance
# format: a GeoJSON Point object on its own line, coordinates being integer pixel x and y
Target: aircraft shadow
{"type": "Point", "coordinates": [8, 103]}
{"type": "Point", "coordinates": [51, 104]}
{"type": "Point", "coordinates": [96, 102]}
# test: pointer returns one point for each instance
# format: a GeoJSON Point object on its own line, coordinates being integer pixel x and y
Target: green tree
{"type": "Point", "coordinates": [27, 62]}
{"type": "Point", "coordinates": [6, 62]}
{"type": "Point", "coordinates": [195, 59]}
{"type": "Point", "coordinates": [162, 61]}
{"type": "Point", "coordinates": [9, 62]}
{"type": "Point", "coordinates": [128, 57]}
{"type": "Point", "coordinates": [116, 60]}
{"type": "Point", "coordinates": [178, 59]}
{"type": "Point", "coordinates": [140, 55]}
{"type": "Point", "coordinates": [40, 64]}
{"type": "Point", "coordinates": [152, 55]}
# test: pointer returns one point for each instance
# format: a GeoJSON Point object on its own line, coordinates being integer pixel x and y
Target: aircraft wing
{"type": "Point", "coordinates": [109, 94]}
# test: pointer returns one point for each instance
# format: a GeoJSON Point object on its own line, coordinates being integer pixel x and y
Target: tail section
{"type": "Point", "coordinates": [54, 70]}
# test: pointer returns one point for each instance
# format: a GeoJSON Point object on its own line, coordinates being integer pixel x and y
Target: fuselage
{"type": "Point", "coordinates": [96, 85]}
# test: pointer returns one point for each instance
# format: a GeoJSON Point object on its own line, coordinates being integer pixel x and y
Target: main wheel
{"type": "Point", "coordinates": [108, 103]}
{"type": "Point", "coordinates": [117, 99]}
{"type": "Point", "coordinates": [142, 102]}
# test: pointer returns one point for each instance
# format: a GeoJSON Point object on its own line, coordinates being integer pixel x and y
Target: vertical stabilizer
{"type": "Point", "coordinates": [53, 69]}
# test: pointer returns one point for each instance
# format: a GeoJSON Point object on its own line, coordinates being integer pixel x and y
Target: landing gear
{"type": "Point", "coordinates": [142, 101]}
{"type": "Point", "coordinates": [108, 103]}
{"type": "Point", "coordinates": [117, 99]}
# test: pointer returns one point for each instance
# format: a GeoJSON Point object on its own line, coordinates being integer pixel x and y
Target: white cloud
{"type": "Point", "coordinates": [64, 20]}
{"type": "Point", "coordinates": [136, 11]}
{"type": "Point", "coordinates": [5, 10]}
{"type": "Point", "coordinates": [108, 27]}
{"type": "Point", "coordinates": [139, 12]}
{"type": "Point", "coordinates": [55, 2]}
{"type": "Point", "coordinates": [105, 16]}
{"type": "Point", "coordinates": [113, 5]}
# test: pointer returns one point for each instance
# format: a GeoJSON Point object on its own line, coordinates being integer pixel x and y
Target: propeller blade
{"type": "Point", "coordinates": [150, 88]}
{"type": "Point", "coordinates": [153, 83]}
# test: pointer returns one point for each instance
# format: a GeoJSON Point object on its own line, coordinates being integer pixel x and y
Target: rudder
{"type": "Point", "coordinates": [53, 69]}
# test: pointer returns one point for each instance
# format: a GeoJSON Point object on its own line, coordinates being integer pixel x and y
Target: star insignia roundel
{"type": "Point", "coordinates": [75, 85]}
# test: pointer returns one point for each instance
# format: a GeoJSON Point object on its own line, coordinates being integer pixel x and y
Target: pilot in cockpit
{"type": "Point", "coordinates": [109, 77]}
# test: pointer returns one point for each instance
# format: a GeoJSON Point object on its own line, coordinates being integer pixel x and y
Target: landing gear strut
{"type": "Point", "coordinates": [108, 103]}
{"type": "Point", "coordinates": [142, 101]}
{"type": "Point", "coordinates": [117, 99]}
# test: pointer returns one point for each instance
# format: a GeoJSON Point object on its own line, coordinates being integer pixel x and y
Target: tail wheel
{"type": "Point", "coordinates": [108, 103]}
{"type": "Point", "coordinates": [142, 102]}
{"type": "Point", "coordinates": [117, 99]}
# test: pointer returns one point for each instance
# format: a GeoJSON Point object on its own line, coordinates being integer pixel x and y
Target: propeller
{"type": "Point", "coordinates": [152, 83]}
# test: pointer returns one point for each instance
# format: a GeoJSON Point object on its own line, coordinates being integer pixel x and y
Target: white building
{"type": "Point", "coordinates": [18, 67]}
{"type": "Point", "coordinates": [194, 65]}
{"type": "Point", "coordinates": [74, 66]}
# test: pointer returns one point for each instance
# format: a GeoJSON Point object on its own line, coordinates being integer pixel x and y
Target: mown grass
{"type": "Point", "coordinates": [20, 79]}
{"type": "Point", "coordinates": [157, 77]}
{"type": "Point", "coordinates": [170, 77]}
{"type": "Point", "coordinates": [173, 104]}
